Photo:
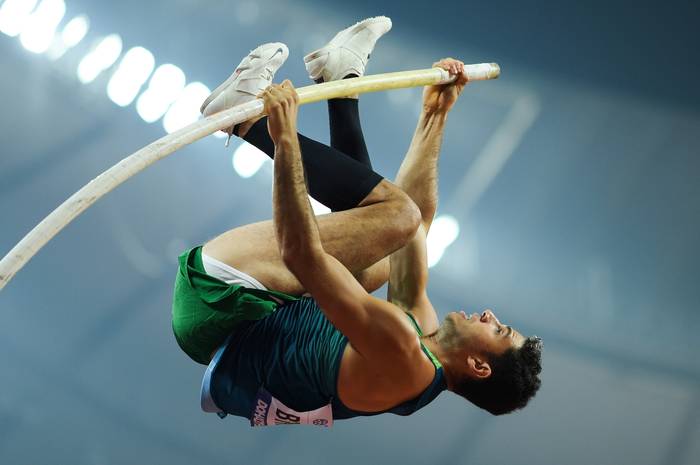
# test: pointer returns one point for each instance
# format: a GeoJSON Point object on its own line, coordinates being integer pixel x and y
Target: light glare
{"type": "Point", "coordinates": [41, 26]}
{"type": "Point", "coordinates": [100, 58]}
{"type": "Point", "coordinates": [248, 159]}
{"type": "Point", "coordinates": [75, 31]}
{"type": "Point", "coordinates": [14, 15]}
{"type": "Point", "coordinates": [443, 232]}
{"type": "Point", "coordinates": [70, 36]}
{"type": "Point", "coordinates": [134, 69]}
{"type": "Point", "coordinates": [164, 88]}
{"type": "Point", "coordinates": [185, 110]}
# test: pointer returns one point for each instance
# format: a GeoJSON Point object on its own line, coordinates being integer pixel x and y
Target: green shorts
{"type": "Point", "coordinates": [206, 310]}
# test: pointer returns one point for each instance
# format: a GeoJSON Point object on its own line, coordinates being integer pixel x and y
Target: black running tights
{"type": "Point", "coordinates": [339, 176]}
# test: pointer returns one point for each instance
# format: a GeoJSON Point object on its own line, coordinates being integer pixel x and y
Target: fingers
{"type": "Point", "coordinates": [453, 66]}
{"type": "Point", "coordinates": [279, 96]}
{"type": "Point", "coordinates": [268, 99]}
{"type": "Point", "coordinates": [280, 93]}
{"type": "Point", "coordinates": [289, 87]}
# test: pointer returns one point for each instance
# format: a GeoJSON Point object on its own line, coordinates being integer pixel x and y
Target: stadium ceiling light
{"type": "Point", "coordinates": [100, 58]}
{"type": "Point", "coordinates": [40, 26]}
{"type": "Point", "coordinates": [247, 160]}
{"type": "Point", "coordinates": [133, 71]}
{"type": "Point", "coordinates": [167, 95]}
{"type": "Point", "coordinates": [73, 32]}
{"type": "Point", "coordinates": [185, 110]}
{"type": "Point", "coordinates": [165, 86]}
{"type": "Point", "coordinates": [443, 232]}
{"type": "Point", "coordinates": [14, 15]}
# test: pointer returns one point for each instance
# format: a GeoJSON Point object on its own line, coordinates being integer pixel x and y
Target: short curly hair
{"type": "Point", "coordinates": [513, 382]}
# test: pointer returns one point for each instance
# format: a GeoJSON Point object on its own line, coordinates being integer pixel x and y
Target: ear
{"type": "Point", "coordinates": [478, 368]}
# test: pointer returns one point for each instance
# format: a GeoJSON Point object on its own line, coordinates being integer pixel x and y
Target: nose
{"type": "Point", "coordinates": [487, 316]}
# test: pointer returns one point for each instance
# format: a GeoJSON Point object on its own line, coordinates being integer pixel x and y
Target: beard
{"type": "Point", "coordinates": [448, 335]}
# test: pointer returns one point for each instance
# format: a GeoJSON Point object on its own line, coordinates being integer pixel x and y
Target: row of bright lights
{"type": "Point", "coordinates": [166, 94]}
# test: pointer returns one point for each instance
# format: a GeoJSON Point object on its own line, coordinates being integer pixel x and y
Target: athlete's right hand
{"type": "Point", "coordinates": [281, 104]}
{"type": "Point", "coordinates": [441, 98]}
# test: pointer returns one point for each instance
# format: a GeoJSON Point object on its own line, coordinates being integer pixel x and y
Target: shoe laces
{"type": "Point", "coordinates": [266, 74]}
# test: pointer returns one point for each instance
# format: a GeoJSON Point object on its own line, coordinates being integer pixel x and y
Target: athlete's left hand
{"type": "Point", "coordinates": [441, 98]}
{"type": "Point", "coordinates": [281, 104]}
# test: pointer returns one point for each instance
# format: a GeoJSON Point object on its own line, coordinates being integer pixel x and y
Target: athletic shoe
{"type": "Point", "coordinates": [253, 75]}
{"type": "Point", "coordinates": [347, 53]}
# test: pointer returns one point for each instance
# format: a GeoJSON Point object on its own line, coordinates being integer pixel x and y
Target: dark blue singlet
{"type": "Point", "coordinates": [295, 355]}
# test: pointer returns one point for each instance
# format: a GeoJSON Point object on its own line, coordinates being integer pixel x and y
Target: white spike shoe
{"type": "Point", "coordinates": [348, 52]}
{"type": "Point", "coordinates": [253, 75]}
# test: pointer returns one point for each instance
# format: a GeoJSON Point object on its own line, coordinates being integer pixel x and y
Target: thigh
{"type": "Point", "coordinates": [359, 238]}
{"type": "Point", "coordinates": [253, 250]}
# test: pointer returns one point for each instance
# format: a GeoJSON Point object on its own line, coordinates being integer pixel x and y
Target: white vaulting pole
{"type": "Point", "coordinates": [143, 158]}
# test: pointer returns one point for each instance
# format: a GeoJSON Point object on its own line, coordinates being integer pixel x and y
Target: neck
{"type": "Point", "coordinates": [432, 342]}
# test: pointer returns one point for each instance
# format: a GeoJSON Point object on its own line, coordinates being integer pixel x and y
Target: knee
{"type": "Point", "coordinates": [406, 216]}
{"type": "Point", "coordinates": [399, 212]}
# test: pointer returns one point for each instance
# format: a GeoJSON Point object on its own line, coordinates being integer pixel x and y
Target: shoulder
{"type": "Point", "coordinates": [400, 373]}
{"type": "Point", "coordinates": [400, 353]}
{"type": "Point", "coordinates": [392, 329]}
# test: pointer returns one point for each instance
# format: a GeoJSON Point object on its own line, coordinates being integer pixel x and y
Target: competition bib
{"type": "Point", "coordinates": [268, 411]}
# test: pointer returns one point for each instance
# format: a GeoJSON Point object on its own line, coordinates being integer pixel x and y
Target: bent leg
{"type": "Point", "coordinates": [372, 217]}
{"type": "Point", "coordinates": [360, 237]}
{"type": "Point", "coordinates": [334, 179]}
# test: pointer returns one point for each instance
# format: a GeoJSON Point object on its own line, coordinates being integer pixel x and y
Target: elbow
{"type": "Point", "coordinates": [291, 255]}
{"type": "Point", "coordinates": [296, 257]}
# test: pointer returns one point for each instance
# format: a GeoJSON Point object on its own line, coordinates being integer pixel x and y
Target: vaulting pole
{"type": "Point", "coordinates": [143, 158]}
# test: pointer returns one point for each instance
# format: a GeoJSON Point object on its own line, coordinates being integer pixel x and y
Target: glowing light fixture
{"type": "Point", "coordinates": [104, 55]}
{"type": "Point", "coordinates": [185, 110]}
{"type": "Point", "coordinates": [134, 69]}
{"type": "Point", "coordinates": [443, 232]}
{"type": "Point", "coordinates": [75, 31]}
{"type": "Point", "coordinates": [164, 88]}
{"type": "Point", "coordinates": [14, 15]}
{"type": "Point", "coordinates": [248, 159]}
{"type": "Point", "coordinates": [39, 30]}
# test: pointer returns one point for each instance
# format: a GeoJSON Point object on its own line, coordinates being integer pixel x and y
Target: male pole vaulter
{"type": "Point", "coordinates": [340, 353]}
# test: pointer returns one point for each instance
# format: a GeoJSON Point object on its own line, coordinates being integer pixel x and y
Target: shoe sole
{"type": "Point", "coordinates": [352, 29]}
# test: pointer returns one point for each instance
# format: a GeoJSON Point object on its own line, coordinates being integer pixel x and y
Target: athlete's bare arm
{"type": "Point", "coordinates": [376, 328]}
{"type": "Point", "coordinates": [418, 177]}
{"type": "Point", "coordinates": [418, 174]}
